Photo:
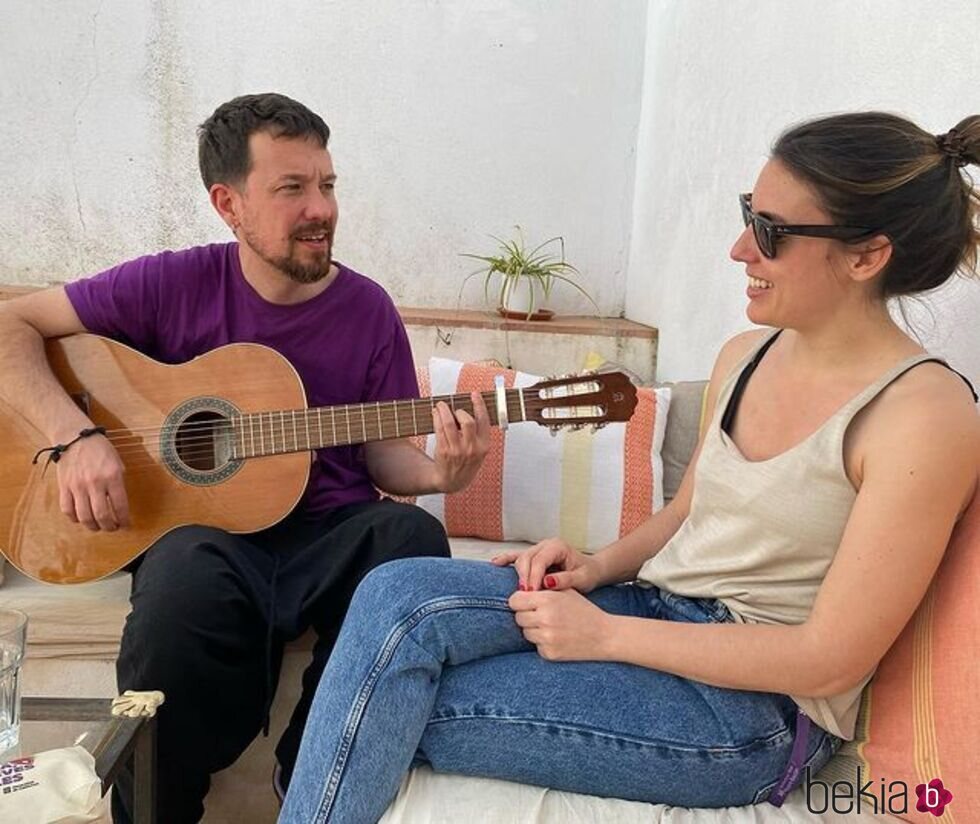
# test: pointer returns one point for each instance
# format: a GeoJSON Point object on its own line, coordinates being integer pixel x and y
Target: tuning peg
{"type": "Point", "coordinates": [597, 426]}
{"type": "Point", "coordinates": [554, 431]}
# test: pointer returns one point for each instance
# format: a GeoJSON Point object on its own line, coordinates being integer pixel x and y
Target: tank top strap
{"type": "Point", "coordinates": [734, 386]}
{"type": "Point", "coordinates": [869, 393]}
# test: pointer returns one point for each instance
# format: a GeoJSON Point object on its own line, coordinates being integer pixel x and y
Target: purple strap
{"type": "Point", "coordinates": [794, 767]}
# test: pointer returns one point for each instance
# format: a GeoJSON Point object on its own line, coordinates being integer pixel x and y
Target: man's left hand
{"type": "Point", "coordinates": [462, 441]}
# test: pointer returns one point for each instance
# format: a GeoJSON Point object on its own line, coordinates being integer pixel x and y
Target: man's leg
{"type": "Point", "coordinates": [198, 632]}
{"type": "Point", "coordinates": [323, 576]}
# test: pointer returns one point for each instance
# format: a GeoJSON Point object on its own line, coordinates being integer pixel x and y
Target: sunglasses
{"type": "Point", "coordinates": [767, 233]}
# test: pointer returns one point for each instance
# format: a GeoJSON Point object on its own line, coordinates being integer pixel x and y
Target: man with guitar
{"type": "Point", "coordinates": [213, 609]}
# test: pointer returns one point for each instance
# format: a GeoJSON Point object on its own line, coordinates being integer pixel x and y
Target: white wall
{"type": "Point", "coordinates": [721, 81]}
{"type": "Point", "coordinates": [451, 120]}
{"type": "Point", "coordinates": [459, 118]}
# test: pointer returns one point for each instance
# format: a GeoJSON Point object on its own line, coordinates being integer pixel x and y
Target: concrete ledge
{"type": "Point", "coordinates": [559, 325]}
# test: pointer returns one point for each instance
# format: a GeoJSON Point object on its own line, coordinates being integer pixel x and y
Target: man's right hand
{"type": "Point", "coordinates": [90, 485]}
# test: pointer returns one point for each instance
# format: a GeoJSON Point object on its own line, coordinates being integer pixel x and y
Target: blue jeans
{"type": "Point", "coordinates": [430, 667]}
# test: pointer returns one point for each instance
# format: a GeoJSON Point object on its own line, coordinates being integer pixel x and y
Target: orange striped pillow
{"type": "Point", "coordinates": [589, 488]}
{"type": "Point", "coordinates": [919, 720]}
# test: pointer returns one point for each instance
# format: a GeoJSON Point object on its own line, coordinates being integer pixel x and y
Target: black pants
{"type": "Point", "coordinates": [211, 614]}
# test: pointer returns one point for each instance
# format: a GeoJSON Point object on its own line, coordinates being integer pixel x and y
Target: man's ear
{"type": "Point", "coordinates": [227, 202]}
{"type": "Point", "coordinates": [868, 258]}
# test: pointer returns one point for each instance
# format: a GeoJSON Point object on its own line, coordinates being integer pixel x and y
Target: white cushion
{"type": "Point", "coordinates": [438, 798]}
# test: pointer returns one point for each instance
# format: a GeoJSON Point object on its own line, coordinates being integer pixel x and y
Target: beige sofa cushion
{"type": "Point", "coordinates": [683, 426]}
{"type": "Point", "coordinates": [82, 621]}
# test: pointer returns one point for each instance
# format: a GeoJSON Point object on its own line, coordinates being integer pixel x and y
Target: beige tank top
{"type": "Point", "coordinates": [761, 535]}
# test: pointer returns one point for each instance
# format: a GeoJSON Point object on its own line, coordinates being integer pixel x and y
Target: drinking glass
{"type": "Point", "coordinates": [13, 637]}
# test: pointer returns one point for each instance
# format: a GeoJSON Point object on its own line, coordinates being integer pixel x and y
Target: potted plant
{"type": "Point", "coordinates": [526, 277]}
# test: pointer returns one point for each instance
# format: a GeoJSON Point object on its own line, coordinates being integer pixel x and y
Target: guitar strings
{"type": "Point", "coordinates": [275, 439]}
{"type": "Point", "coordinates": [196, 440]}
{"type": "Point", "coordinates": [368, 408]}
{"type": "Point", "coordinates": [202, 448]}
{"type": "Point", "coordinates": [294, 419]}
{"type": "Point", "coordinates": [139, 455]}
{"type": "Point", "coordinates": [456, 402]}
{"type": "Point", "coordinates": [275, 422]}
{"type": "Point", "coordinates": [273, 428]}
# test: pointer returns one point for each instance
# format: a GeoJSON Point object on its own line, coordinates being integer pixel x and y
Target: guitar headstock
{"type": "Point", "coordinates": [581, 400]}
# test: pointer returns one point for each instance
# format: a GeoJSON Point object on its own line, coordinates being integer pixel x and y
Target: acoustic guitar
{"type": "Point", "coordinates": [224, 440]}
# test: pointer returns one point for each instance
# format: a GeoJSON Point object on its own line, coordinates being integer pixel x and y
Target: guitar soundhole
{"type": "Point", "coordinates": [202, 441]}
{"type": "Point", "coordinates": [197, 442]}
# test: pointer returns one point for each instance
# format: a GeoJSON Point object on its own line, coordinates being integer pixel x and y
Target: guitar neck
{"type": "Point", "coordinates": [301, 430]}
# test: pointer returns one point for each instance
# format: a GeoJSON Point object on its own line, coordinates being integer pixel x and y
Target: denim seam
{"type": "Point", "coordinates": [397, 634]}
{"type": "Point", "coordinates": [772, 740]}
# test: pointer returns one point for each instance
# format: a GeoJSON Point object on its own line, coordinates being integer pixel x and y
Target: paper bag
{"type": "Point", "coordinates": [52, 787]}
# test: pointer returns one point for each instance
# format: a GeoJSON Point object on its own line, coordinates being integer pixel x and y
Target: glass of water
{"type": "Point", "coordinates": [13, 637]}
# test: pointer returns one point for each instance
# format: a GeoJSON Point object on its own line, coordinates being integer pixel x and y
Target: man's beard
{"type": "Point", "coordinates": [289, 265]}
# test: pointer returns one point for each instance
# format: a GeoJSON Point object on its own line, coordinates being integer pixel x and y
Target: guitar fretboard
{"type": "Point", "coordinates": [300, 430]}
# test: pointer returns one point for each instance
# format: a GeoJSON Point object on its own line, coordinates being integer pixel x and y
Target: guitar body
{"type": "Point", "coordinates": [135, 398]}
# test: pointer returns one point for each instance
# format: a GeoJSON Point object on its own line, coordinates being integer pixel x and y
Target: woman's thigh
{"type": "Point", "coordinates": [611, 730]}
{"type": "Point", "coordinates": [457, 609]}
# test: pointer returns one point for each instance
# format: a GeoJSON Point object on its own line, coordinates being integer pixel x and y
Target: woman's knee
{"type": "Point", "coordinates": [419, 574]}
{"type": "Point", "coordinates": [399, 587]}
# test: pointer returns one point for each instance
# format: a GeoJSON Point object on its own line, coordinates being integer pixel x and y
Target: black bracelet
{"type": "Point", "coordinates": [60, 448]}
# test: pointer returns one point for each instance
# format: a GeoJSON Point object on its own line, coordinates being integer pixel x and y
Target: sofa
{"type": "Point", "coordinates": [75, 630]}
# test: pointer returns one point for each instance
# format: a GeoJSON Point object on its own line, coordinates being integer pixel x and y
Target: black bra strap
{"type": "Point", "coordinates": [728, 419]}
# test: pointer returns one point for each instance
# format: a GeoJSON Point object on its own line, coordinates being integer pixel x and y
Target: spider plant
{"type": "Point", "coordinates": [540, 268]}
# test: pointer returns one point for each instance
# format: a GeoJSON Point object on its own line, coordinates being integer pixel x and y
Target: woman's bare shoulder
{"type": "Point", "coordinates": [928, 413]}
{"type": "Point", "coordinates": [735, 349]}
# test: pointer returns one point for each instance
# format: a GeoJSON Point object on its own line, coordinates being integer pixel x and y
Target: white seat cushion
{"type": "Point", "coordinates": [437, 798]}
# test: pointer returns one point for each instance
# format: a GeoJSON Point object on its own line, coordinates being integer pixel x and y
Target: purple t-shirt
{"type": "Point", "coordinates": [348, 343]}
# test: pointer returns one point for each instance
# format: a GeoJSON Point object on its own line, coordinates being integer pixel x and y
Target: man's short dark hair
{"type": "Point", "coordinates": [222, 139]}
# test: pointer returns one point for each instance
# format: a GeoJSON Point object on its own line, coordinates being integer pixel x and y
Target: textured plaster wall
{"type": "Point", "coordinates": [629, 128]}
{"type": "Point", "coordinates": [721, 81]}
{"type": "Point", "coordinates": [451, 120]}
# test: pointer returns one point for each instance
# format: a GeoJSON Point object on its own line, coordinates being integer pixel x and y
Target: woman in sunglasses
{"type": "Point", "coordinates": [837, 459]}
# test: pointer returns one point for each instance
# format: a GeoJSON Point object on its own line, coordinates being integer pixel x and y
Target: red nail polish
{"type": "Point", "coordinates": [550, 582]}
{"type": "Point", "coordinates": [521, 587]}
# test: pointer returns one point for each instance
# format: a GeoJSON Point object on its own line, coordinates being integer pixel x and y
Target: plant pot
{"type": "Point", "coordinates": [516, 301]}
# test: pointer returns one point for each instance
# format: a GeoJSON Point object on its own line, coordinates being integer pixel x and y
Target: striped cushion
{"type": "Point", "coordinates": [589, 488]}
{"type": "Point", "coordinates": [919, 718]}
